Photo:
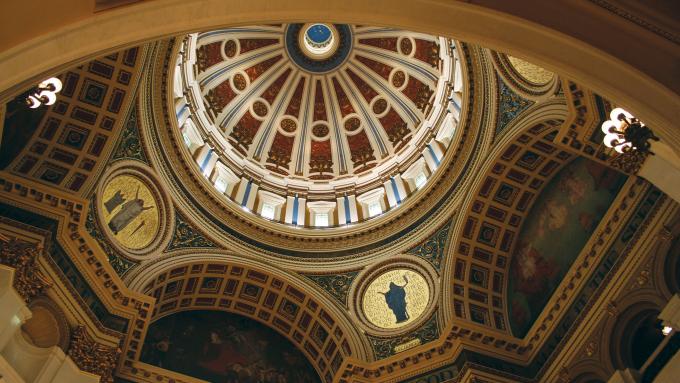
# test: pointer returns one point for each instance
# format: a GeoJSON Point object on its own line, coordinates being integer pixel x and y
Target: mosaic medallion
{"type": "Point", "coordinates": [130, 211]}
{"type": "Point", "coordinates": [395, 298]}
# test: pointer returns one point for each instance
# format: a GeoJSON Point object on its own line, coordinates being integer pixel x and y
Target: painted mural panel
{"type": "Point", "coordinates": [558, 226]}
{"type": "Point", "coordinates": [222, 347]}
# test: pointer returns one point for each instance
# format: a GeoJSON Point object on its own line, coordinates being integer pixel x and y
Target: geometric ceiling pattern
{"type": "Point", "coordinates": [323, 110]}
{"type": "Point", "coordinates": [319, 124]}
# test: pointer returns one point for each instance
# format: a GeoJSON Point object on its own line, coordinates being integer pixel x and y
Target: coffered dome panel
{"type": "Point", "coordinates": [315, 124]}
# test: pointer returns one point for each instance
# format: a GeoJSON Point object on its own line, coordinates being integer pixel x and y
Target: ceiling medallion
{"type": "Point", "coordinates": [395, 297]}
{"type": "Point", "coordinates": [132, 211]}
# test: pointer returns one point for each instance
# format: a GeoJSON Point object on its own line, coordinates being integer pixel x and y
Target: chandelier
{"type": "Point", "coordinates": [624, 133]}
{"type": "Point", "coordinates": [44, 93]}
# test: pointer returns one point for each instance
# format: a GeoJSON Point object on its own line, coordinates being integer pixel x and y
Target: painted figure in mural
{"type": "Point", "coordinates": [129, 211]}
{"type": "Point", "coordinates": [117, 199]}
{"type": "Point", "coordinates": [395, 298]}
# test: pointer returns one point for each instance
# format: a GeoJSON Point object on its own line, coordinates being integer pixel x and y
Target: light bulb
{"type": "Point", "coordinates": [608, 125]}
{"type": "Point", "coordinates": [52, 82]}
{"type": "Point", "coordinates": [33, 102]}
{"type": "Point", "coordinates": [666, 330]}
{"type": "Point", "coordinates": [614, 115]}
{"type": "Point", "coordinates": [611, 140]}
{"type": "Point", "coordinates": [47, 97]}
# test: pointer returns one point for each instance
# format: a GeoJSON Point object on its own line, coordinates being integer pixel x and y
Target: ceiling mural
{"type": "Point", "coordinates": [560, 222]}
{"type": "Point", "coordinates": [222, 347]}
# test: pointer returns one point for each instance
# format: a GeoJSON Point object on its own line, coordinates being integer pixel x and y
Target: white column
{"type": "Point", "coordinates": [13, 311]}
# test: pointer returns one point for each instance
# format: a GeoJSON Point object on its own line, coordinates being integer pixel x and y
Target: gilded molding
{"type": "Point", "coordinates": [337, 285]}
{"type": "Point", "coordinates": [130, 144]}
{"type": "Point", "coordinates": [29, 281]}
{"type": "Point", "coordinates": [185, 235]}
{"type": "Point", "coordinates": [91, 356]}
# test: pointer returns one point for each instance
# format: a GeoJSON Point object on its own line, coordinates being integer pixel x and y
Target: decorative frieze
{"type": "Point", "coordinates": [29, 282]}
{"type": "Point", "coordinates": [91, 356]}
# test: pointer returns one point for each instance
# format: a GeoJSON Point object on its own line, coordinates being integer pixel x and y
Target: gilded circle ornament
{"type": "Point", "coordinates": [132, 212]}
{"type": "Point", "coordinates": [395, 298]}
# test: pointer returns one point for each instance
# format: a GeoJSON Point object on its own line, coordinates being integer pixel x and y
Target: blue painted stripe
{"type": "Point", "coordinates": [184, 107]}
{"type": "Point", "coordinates": [348, 218]}
{"type": "Point", "coordinates": [434, 156]}
{"type": "Point", "coordinates": [395, 190]}
{"type": "Point", "coordinates": [246, 196]}
{"type": "Point", "coordinates": [455, 105]}
{"type": "Point", "coordinates": [204, 164]}
{"type": "Point", "coordinates": [295, 210]}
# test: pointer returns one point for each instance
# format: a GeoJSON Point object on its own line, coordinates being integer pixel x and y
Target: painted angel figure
{"type": "Point", "coordinates": [129, 211]}
{"type": "Point", "coordinates": [395, 298]}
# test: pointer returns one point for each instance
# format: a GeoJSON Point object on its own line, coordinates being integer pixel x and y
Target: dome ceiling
{"type": "Point", "coordinates": [316, 110]}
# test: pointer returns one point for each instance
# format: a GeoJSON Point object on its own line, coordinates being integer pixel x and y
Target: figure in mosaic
{"type": "Point", "coordinates": [129, 211]}
{"type": "Point", "coordinates": [115, 201]}
{"type": "Point", "coordinates": [395, 298]}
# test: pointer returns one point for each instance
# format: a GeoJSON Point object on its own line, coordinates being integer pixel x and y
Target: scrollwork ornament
{"type": "Point", "coordinates": [29, 282]}
{"type": "Point", "coordinates": [91, 356]}
{"type": "Point", "coordinates": [629, 162]}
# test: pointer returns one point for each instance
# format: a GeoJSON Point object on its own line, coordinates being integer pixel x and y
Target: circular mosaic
{"type": "Point", "coordinates": [260, 108]}
{"type": "Point", "coordinates": [230, 48]}
{"type": "Point", "coordinates": [130, 211]}
{"type": "Point", "coordinates": [239, 81]}
{"type": "Point", "coordinates": [395, 298]}
{"type": "Point", "coordinates": [398, 79]}
{"type": "Point", "coordinates": [288, 125]}
{"type": "Point", "coordinates": [406, 46]}
{"type": "Point", "coordinates": [380, 106]}
{"type": "Point", "coordinates": [320, 131]}
{"type": "Point", "coordinates": [352, 124]}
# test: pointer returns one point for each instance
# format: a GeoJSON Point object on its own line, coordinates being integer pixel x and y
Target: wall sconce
{"type": "Point", "coordinates": [624, 133]}
{"type": "Point", "coordinates": [45, 93]}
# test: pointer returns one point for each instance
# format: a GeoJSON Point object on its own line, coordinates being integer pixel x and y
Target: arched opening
{"type": "Point", "coordinates": [635, 338]}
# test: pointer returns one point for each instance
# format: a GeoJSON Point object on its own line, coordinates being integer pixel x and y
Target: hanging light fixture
{"type": "Point", "coordinates": [45, 93]}
{"type": "Point", "coordinates": [624, 133]}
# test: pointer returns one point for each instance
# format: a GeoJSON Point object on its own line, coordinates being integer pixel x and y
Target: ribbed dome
{"type": "Point", "coordinates": [318, 110]}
